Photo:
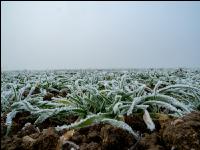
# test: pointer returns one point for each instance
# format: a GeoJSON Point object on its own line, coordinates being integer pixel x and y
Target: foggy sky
{"type": "Point", "coordinates": [72, 35]}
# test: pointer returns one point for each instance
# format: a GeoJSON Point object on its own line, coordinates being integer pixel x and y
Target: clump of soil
{"type": "Point", "coordinates": [11, 143]}
{"type": "Point", "coordinates": [64, 92]}
{"type": "Point", "coordinates": [28, 129]}
{"type": "Point", "coordinates": [102, 136]}
{"type": "Point", "coordinates": [19, 121]}
{"type": "Point", "coordinates": [3, 126]}
{"type": "Point", "coordinates": [177, 133]}
{"type": "Point", "coordinates": [48, 139]}
{"type": "Point", "coordinates": [54, 91]}
{"type": "Point", "coordinates": [183, 133]}
{"type": "Point", "coordinates": [36, 91]}
{"type": "Point", "coordinates": [48, 96]}
{"type": "Point", "coordinates": [137, 123]}
{"type": "Point", "coordinates": [23, 118]}
{"type": "Point", "coordinates": [26, 92]}
{"type": "Point", "coordinates": [150, 142]}
{"type": "Point", "coordinates": [51, 92]}
{"type": "Point", "coordinates": [116, 138]}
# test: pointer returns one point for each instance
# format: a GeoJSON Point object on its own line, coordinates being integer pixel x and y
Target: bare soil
{"type": "Point", "coordinates": [171, 133]}
{"type": "Point", "coordinates": [182, 133]}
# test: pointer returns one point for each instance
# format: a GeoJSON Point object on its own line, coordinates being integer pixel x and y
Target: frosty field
{"type": "Point", "coordinates": [101, 109]}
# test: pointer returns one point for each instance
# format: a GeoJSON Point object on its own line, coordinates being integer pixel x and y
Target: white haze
{"type": "Point", "coordinates": [73, 35]}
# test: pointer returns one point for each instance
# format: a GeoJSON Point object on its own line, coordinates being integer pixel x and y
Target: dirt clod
{"type": "Point", "coordinates": [48, 96]}
{"type": "Point", "coordinates": [48, 139]}
{"type": "Point", "coordinates": [64, 92]}
{"type": "Point", "coordinates": [183, 133]}
{"type": "Point", "coordinates": [102, 136]}
{"type": "Point", "coordinates": [177, 133]}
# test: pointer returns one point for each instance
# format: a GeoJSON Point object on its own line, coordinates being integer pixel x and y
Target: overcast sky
{"type": "Point", "coordinates": [71, 35]}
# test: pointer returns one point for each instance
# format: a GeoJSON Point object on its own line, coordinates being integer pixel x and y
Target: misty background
{"type": "Point", "coordinates": [87, 35]}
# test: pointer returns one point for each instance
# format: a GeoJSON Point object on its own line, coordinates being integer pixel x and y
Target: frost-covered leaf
{"type": "Point", "coordinates": [122, 125]}
{"type": "Point", "coordinates": [148, 121]}
{"type": "Point", "coordinates": [9, 118]}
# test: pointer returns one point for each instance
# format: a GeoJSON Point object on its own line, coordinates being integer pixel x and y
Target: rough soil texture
{"type": "Point", "coordinates": [47, 139]}
{"type": "Point", "coordinates": [176, 134]}
{"type": "Point", "coordinates": [105, 137]}
{"type": "Point", "coordinates": [183, 133]}
{"type": "Point", "coordinates": [150, 142]}
{"type": "Point", "coordinates": [51, 92]}
{"type": "Point", "coordinates": [19, 121]}
{"type": "Point", "coordinates": [3, 126]}
{"type": "Point", "coordinates": [137, 123]}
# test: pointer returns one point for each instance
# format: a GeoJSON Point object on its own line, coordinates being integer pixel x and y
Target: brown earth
{"type": "Point", "coordinates": [177, 134]}
{"type": "Point", "coordinates": [55, 93]}
{"type": "Point", "coordinates": [102, 136]}
{"type": "Point", "coordinates": [22, 118]}
{"type": "Point", "coordinates": [182, 133]}
{"type": "Point", "coordinates": [47, 139]}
